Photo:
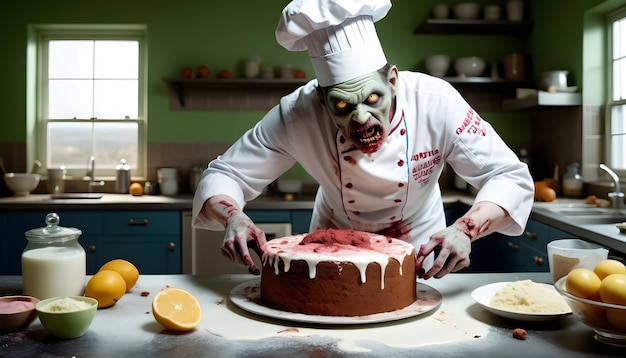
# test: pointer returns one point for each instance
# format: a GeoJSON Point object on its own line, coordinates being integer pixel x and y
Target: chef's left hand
{"type": "Point", "coordinates": [452, 247]}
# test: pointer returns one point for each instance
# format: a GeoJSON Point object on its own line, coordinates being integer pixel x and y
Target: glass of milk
{"type": "Point", "coordinates": [53, 262]}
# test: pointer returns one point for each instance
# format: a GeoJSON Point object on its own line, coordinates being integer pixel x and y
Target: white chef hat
{"type": "Point", "coordinates": [339, 35]}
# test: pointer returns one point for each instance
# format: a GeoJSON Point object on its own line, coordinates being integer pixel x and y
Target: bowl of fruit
{"type": "Point", "coordinates": [598, 299]}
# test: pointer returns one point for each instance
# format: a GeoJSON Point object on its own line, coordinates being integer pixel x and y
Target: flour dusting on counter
{"type": "Point", "coordinates": [441, 326]}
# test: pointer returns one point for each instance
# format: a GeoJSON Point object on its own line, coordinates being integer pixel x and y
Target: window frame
{"type": "Point", "coordinates": [37, 88]}
{"type": "Point", "coordinates": [610, 103]}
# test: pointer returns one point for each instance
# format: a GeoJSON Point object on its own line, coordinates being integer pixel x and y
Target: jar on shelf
{"type": "Point", "coordinates": [573, 181]}
{"type": "Point", "coordinates": [53, 262]}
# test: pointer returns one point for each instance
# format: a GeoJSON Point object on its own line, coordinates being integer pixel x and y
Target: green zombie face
{"type": "Point", "coordinates": [360, 108]}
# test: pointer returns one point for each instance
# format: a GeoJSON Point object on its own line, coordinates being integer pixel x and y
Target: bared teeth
{"type": "Point", "coordinates": [368, 136]}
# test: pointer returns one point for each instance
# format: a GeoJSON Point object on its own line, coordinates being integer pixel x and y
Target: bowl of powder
{"type": "Point", "coordinates": [522, 300]}
{"type": "Point", "coordinates": [17, 312]}
{"type": "Point", "coordinates": [67, 317]}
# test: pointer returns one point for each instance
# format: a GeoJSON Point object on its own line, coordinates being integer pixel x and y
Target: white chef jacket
{"type": "Point", "coordinates": [394, 189]}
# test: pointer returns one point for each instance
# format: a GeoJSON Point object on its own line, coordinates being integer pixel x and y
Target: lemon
{"type": "Point", "coordinates": [609, 266]}
{"type": "Point", "coordinates": [613, 289]}
{"type": "Point", "coordinates": [583, 283]}
{"type": "Point", "coordinates": [107, 287]}
{"type": "Point", "coordinates": [176, 309]}
{"type": "Point", "coordinates": [127, 270]}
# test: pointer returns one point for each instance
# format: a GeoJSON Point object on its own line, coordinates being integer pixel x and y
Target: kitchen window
{"type": "Point", "coordinates": [616, 104]}
{"type": "Point", "coordinates": [91, 99]}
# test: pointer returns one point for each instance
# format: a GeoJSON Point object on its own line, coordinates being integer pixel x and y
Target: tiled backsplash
{"type": "Point", "coordinates": [592, 141]}
{"type": "Point", "coordinates": [560, 136]}
{"type": "Point", "coordinates": [179, 155]}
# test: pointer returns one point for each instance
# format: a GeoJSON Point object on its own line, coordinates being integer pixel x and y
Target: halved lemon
{"type": "Point", "coordinates": [176, 309]}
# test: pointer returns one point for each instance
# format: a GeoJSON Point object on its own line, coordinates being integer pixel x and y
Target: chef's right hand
{"type": "Point", "coordinates": [241, 234]}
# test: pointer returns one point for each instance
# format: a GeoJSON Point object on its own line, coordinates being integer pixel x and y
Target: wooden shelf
{"type": "Point", "coordinates": [486, 94]}
{"type": "Point", "coordinates": [182, 86]}
{"type": "Point", "coordinates": [487, 82]}
{"type": "Point", "coordinates": [474, 27]}
{"type": "Point", "coordinates": [543, 99]}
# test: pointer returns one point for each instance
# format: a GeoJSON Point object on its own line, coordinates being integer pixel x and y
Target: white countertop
{"type": "Point", "coordinates": [459, 327]}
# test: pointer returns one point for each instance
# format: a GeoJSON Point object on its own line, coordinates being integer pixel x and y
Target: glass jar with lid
{"type": "Point", "coordinates": [53, 262]}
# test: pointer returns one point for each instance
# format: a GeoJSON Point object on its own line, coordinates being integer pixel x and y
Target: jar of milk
{"type": "Point", "coordinates": [53, 262]}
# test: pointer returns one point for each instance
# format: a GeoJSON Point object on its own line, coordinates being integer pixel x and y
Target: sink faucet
{"type": "Point", "coordinates": [616, 197]}
{"type": "Point", "coordinates": [91, 174]}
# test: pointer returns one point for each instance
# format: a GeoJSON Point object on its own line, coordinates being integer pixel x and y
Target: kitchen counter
{"type": "Point", "coordinates": [156, 202]}
{"type": "Point", "coordinates": [144, 202]}
{"type": "Point", "coordinates": [604, 234]}
{"type": "Point", "coordinates": [459, 327]}
{"type": "Point", "coordinates": [106, 202]}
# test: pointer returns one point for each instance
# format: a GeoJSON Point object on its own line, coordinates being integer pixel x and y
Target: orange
{"type": "Point", "coordinates": [135, 189]}
{"type": "Point", "coordinates": [551, 183]}
{"type": "Point", "coordinates": [107, 287]}
{"type": "Point", "coordinates": [176, 309]}
{"type": "Point", "coordinates": [583, 283]}
{"type": "Point", "coordinates": [127, 270]}
{"type": "Point", "coordinates": [613, 289]}
{"type": "Point", "coordinates": [609, 266]}
{"type": "Point", "coordinates": [539, 185]}
{"type": "Point", "coordinates": [547, 194]}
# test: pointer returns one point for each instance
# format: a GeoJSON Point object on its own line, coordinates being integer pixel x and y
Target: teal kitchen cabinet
{"type": "Point", "coordinates": [535, 241]}
{"type": "Point", "coordinates": [300, 221]}
{"type": "Point", "coordinates": [524, 253]}
{"type": "Point", "coordinates": [149, 239]}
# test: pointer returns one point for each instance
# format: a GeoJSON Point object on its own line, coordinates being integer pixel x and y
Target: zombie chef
{"type": "Point", "coordinates": [376, 139]}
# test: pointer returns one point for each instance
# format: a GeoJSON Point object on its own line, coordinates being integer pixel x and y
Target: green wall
{"type": "Point", "coordinates": [220, 35]}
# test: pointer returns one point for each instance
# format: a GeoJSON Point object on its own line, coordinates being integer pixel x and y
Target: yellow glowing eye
{"type": "Point", "coordinates": [341, 105]}
{"type": "Point", "coordinates": [372, 98]}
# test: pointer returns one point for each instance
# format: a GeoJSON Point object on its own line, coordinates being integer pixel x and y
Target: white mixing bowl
{"type": "Point", "coordinates": [437, 65]}
{"type": "Point", "coordinates": [22, 183]}
{"type": "Point", "coordinates": [469, 66]}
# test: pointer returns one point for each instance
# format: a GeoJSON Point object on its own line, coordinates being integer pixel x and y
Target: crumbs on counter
{"type": "Point", "coordinates": [220, 302]}
{"type": "Point", "coordinates": [145, 294]}
{"type": "Point", "coordinates": [520, 333]}
{"type": "Point", "coordinates": [289, 330]}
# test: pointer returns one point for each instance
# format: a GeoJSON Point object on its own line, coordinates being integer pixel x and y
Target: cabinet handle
{"type": "Point", "coordinates": [530, 235]}
{"type": "Point", "coordinates": [512, 246]}
{"type": "Point", "coordinates": [141, 222]}
{"type": "Point", "coordinates": [92, 248]}
{"type": "Point", "coordinates": [171, 246]}
{"type": "Point", "coordinates": [538, 260]}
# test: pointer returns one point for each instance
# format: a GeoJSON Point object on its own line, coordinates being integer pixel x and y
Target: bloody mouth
{"type": "Point", "coordinates": [368, 138]}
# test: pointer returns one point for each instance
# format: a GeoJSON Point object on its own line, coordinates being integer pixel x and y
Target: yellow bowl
{"type": "Point", "coordinates": [66, 323]}
{"type": "Point", "coordinates": [608, 321]}
{"type": "Point", "coordinates": [17, 313]}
